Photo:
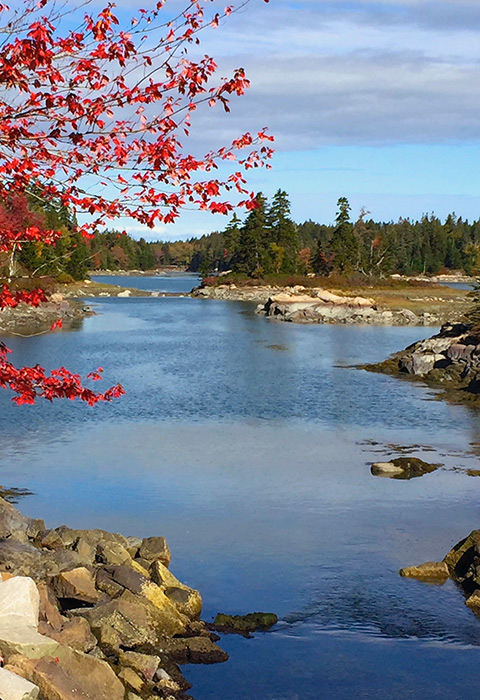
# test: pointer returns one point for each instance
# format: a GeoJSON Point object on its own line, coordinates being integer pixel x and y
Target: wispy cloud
{"type": "Point", "coordinates": [368, 72]}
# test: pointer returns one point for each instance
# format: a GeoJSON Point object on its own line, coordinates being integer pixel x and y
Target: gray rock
{"type": "Point", "coordinates": [126, 577]}
{"type": "Point", "coordinates": [418, 363]}
{"type": "Point", "coordinates": [21, 559]}
{"type": "Point", "coordinates": [52, 540]}
{"type": "Point", "coordinates": [14, 524]}
{"type": "Point", "coordinates": [134, 544]}
{"type": "Point", "coordinates": [138, 621]}
{"type": "Point", "coordinates": [86, 550]}
{"type": "Point", "coordinates": [14, 687]}
{"type": "Point", "coordinates": [105, 583]}
{"type": "Point", "coordinates": [459, 351]}
{"type": "Point", "coordinates": [410, 316]}
{"type": "Point", "coordinates": [60, 560]}
{"type": "Point", "coordinates": [143, 664]}
{"type": "Point", "coordinates": [112, 553]}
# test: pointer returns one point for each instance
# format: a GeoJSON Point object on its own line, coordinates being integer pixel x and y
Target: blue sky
{"type": "Point", "coordinates": [378, 101]}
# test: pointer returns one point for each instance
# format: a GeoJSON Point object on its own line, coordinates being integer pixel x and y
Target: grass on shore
{"type": "Point", "coordinates": [387, 293]}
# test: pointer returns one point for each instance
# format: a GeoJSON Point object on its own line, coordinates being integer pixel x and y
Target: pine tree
{"type": "Point", "coordinates": [282, 232]}
{"type": "Point", "coordinates": [251, 245]}
{"type": "Point", "coordinates": [76, 265]}
{"type": "Point", "coordinates": [231, 237]}
{"type": "Point", "coordinates": [344, 244]}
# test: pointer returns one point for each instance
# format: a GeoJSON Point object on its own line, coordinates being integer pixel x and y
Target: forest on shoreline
{"type": "Point", "coordinates": [267, 242]}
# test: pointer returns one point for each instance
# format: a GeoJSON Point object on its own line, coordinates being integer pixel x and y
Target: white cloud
{"type": "Point", "coordinates": [367, 72]}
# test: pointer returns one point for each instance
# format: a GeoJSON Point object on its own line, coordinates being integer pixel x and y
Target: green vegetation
{"type": "Point", "coordinates": [265, 245]}
{"type": "Point", "coordinates": [268, 241]}
{"type": "Point", "coordinates": [115, 251]}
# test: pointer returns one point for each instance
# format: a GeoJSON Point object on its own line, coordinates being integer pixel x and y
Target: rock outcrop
{"type": "Point", "coordinates": [321, 306]}
{"type": "Point", "coordinates": [93, 614]}
{"type": "Point", "coordinates": [449, 360]}
{"type": "Point", "coordinates": [461, 564]}
{"type": "Point", "coordinates": [29, 320]}
{"type": "Point", "coordinates": [403, 468]}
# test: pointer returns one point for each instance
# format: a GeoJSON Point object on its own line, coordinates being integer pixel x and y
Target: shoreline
{"type": "Point", "coordinates": [430, 305]}
{"type": "Point", "coordinates": [427, 305]}
{"type": "Point", "coordinates": [448, 362]}
{"type": "Point", "coordinates": [94, 613]}
{"type": "Point", "coordinates": [65, 304]}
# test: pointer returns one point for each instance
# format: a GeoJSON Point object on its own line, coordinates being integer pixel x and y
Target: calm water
{"type": "Point", "coordinates": [178, 283]}
{"type": "Point", "coordinates": [247, 444]}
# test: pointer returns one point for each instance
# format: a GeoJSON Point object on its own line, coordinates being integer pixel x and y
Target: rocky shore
{"type": "Point", "coordinates": [93, 614]}
{"type": "Point", "coordinates": [64, 305]}
{"type": "Point", "coordinates": [386, 307]}
{"type": "Point", "coordinates": [27, 320]}
{"type": "Point", "coordinates": [326, 307]}
{"type": "Point", "coordinates": [449, 360]}
{"type": "Point", "coordinates": [461, 564]}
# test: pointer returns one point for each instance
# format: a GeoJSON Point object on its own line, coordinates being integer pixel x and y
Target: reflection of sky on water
{"type": "Point", "coordinates": [247, 459]}
{"type": "Point", "coordinates": [177, 283]}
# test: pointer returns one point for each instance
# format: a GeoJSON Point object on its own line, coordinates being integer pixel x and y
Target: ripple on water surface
{"type": "Point", "coordinates": [248, 447]}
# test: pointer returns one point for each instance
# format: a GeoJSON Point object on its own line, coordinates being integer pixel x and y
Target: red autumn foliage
{"type": "Point", "coordinates": [92, 115]}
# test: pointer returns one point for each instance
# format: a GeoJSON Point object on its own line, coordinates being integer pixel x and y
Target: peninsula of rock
{"type": "Point", "coordinates": [414, 305]}
{"type": "Point", "coordinates": [449, 360]}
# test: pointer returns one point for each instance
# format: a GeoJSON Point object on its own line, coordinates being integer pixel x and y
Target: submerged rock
{"type": "Point", "coordinates": [194, 650]}
{"type": "Point", "coordinates": [403, 468]}
{"type": "Point", "coordinates": [244, 624]}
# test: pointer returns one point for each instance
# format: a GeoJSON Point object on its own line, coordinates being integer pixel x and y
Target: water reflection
{"type": "Point", "coordinates": [239, 440]}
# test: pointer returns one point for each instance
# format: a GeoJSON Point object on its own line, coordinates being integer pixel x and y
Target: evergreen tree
{"type": "Point", "coordinates": [251, 246]}
{"type": "Point", "coordinates": [282, 232]}
{"type": "Point", "coordinates": [76, 265]}
{"type": "Point", "coordinates": [231, 237]}
{"type": "Point", "coordinates": [344, 244]}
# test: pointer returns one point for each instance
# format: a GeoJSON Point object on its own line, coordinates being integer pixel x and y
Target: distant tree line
{"type": "Point", "coordinates": [268, 241]}
{"type": "Point", "coordinates": [112, 250]}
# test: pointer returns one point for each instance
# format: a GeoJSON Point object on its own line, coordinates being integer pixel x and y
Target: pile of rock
{"type": "Point", "coordinates": [462, 564]}
{"type": "Point", "coordinates": [93, 614]}
{"type": "Point", "coordinates": [322, 306]}
{"type": "Point", "coordinates": [450, 359]}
